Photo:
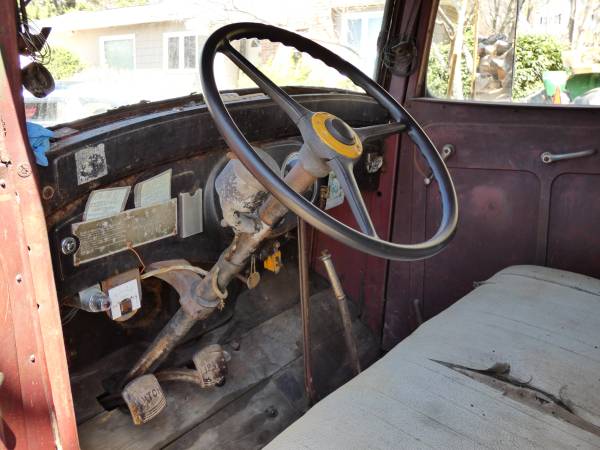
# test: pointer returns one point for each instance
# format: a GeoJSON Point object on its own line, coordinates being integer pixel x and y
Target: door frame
{"type": "Point", "coordinates": [35, 398]}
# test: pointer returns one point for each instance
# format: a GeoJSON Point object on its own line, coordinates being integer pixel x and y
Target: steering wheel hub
{"type": "Point", "coordinates": [338, 136]}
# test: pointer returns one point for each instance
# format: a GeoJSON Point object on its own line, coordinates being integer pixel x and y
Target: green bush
{"type": "Point", "coordinates": [438, 69]}
{"type": "Point", "coordinates": [535, 54]}
{"type": "Point", "coordinates": [64, 64]}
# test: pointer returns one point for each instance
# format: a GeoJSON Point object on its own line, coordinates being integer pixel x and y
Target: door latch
{"type": "Point", "coordinates": [549, 158]}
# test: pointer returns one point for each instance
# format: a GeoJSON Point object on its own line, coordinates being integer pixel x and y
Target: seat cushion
{"type": "Point", "coordinates": [432, 389]}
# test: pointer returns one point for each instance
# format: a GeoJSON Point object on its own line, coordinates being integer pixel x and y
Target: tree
{"type": "Point", "coordinates": [64, 64]}
{"type": "Point", "coordinates": [41, 9]}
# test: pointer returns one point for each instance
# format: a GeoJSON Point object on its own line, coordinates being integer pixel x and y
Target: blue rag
{"type": "Point", "coordinates": [39, 139]}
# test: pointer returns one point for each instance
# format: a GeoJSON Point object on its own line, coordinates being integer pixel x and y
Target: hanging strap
{"type": "Point", "coordinates": [400, 53]}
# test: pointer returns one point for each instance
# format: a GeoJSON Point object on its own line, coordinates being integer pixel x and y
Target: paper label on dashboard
{"type": "Point", "coordinates": [335, 195]}
{"type": "Point", "coordinates": [128, 291]}
{"type": "Point", "coordinates": [154, 190]}
{"type": "Point", "coordinates": [104, 203]}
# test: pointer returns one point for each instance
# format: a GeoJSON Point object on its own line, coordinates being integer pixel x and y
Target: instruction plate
{"type": "Point", "coordinates": [134, 227]}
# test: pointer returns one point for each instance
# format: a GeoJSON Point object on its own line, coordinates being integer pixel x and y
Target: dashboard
{"type": "Point", "coordinates": [125, 148]}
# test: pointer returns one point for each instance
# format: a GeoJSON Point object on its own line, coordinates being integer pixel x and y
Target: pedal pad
{"type": "Point", "coordinates": [211, 364]}
{"type": "Point", "coordinates": [144, 398]}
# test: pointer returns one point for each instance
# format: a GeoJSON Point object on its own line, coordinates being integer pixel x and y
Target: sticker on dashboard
{"type": "Point", "coordinates": [90, 164]}
{"type": "Point", "coordinates": [336, 194]}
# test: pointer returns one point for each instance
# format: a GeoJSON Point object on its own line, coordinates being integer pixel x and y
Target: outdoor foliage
{"type": "Point", "coordinates": [438, 69]}
{"type": "Point", "coordinates": [535, 54]}
{"type": "Point", "coordinates": [64, 64]}
{"type": "Point", "coordinates": [42, 9]}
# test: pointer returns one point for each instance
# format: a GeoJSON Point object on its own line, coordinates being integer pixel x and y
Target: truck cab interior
{"type": "Point", "coordinates": [328, 225]}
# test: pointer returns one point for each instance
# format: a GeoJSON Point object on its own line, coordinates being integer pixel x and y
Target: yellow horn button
{"type": "Point", "coordinates": [349, 151]}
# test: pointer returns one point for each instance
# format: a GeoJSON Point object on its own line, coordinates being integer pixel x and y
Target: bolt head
{"type": "Point", "coordinates": [68, 245]}
{"type": "Point", "coordinates": [23, 170]}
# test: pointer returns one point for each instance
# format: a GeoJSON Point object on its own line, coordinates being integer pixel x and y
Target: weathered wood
{"type": "Point", "coordinates": [269, 350]}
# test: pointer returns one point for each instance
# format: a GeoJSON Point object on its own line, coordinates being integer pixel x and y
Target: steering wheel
{"type": "Point", "coordinates": [329, 143]}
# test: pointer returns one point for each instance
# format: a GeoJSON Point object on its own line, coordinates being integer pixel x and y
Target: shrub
{"type": "Point", "coordinates": [438, 69]}
{"type": "Point", "coordinates": [535, 54]}
{"type": "Point", "coordinates": [64, 64]}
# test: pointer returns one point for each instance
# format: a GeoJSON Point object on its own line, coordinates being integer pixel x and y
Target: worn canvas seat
{"type": "Point", "coordinates": [543, 324]}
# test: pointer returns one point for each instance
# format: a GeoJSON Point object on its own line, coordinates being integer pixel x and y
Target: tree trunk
{"type": "Point", "coordinates": [454, 78]}
{"type": "Point", "coordinates": [572, 14]}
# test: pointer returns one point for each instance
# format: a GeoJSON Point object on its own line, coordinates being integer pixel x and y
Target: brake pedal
{"type": "Point", "coordinates": [144, 398]}
{"type": "Point", "coordinates": [211, 365]}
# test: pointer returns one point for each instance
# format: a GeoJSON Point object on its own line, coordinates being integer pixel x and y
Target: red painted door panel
{"type": "Point", "coordinates": [574, 229]}
{"type": "Point", "coordinates": [497, 229]}
{"type": "Point", "coordinates": [514, 209]}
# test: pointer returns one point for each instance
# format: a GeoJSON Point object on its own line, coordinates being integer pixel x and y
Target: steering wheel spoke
{"type": "Point", "coordinates": [292, 108]}
{"type": "Point", "coordinates": [379, 131]}
{"type": "Point", "coordinates": [329, 144]}
{"type": "Point", "coordinates": [343, 170]}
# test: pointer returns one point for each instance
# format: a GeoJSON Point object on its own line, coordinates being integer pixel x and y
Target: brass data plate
{"type": "Point", "coordinates": [134, 227]}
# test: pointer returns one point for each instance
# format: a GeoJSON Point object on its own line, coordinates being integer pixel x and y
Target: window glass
{"type": "Point", "coordinates": [520, 51]}
{"type": "Point", "coordinates": [189, 52]}
{"type": "Point", "coordinates": [173, 52]}
{"type": "Point", "coordinates": [118, 53]}
{"type": "Point", "coordinates": [353, 33]}
{"type": "Point", "coordinates": [108, 53]}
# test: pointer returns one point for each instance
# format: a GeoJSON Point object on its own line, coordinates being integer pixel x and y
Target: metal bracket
{"type": "Point", "coordinates": [447, 151]}
{"type": "Point", "coordinates": [184, 282]}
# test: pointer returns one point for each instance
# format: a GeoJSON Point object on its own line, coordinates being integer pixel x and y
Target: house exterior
{"type": "Point", "coordinates": [151, 52]}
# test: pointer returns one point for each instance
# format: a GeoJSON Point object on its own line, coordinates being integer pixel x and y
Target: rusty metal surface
{"type": "Point", "coordinates": [304, 290]}
{"type": "Point", "coordinates": [211, 365]}
{"type": "Point", "coordinates": [342, 302]}
{"type": "Point", "coordinates": [364, 276]}
{"type": "Point", "coordinates": [35, 398]}
{"type": "Point", "coordinates": [144, 398]}
{"type": "Point", "coordinates": [132, 228]}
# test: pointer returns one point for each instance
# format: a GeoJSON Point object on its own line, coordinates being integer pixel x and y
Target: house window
{"type": "Point", "coordinates": [118, 52]}
{"type": "Point", "coordinates": [180, 51]}
{"type": "Point", "coordinates": [360, 31]}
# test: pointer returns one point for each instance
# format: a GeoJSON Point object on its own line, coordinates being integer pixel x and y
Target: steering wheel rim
{"type": "Point", "coordinates": [220, 40]}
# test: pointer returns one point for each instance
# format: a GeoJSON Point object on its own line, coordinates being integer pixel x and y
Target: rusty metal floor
{"type": "Point", "coordinates": [264, 391]}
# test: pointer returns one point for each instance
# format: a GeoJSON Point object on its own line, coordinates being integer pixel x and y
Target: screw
{"type": "Point", "coordinates": [68, 245]}
{"type": "Point", "coordinates": [19, 278]}
{"type": "Point", "coordinates": [23, 170]}
{"type": "Point", "coordinates": [235, 345]}
{"type": "Point", "coordinates": [47, 192]}
{"type": "Point", "coordinates": [271, 411]}
{"type": "Point", "coordinates": [2, 183]}
{"type": "Point", "coordinates": [32, 358]}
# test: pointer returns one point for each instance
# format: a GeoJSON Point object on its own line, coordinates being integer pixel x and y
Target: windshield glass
{"type": "Point", "coordinates": [108, 53]}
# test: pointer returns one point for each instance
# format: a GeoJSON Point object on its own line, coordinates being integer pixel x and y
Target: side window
{"type": "Point", "coordinates": [520, 51]}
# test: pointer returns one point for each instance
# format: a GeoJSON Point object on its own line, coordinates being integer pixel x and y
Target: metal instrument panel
{"type": "Point", "coordinates": [131, 228]}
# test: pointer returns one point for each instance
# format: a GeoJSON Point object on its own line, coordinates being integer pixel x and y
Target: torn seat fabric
{"type": "Point", "coordinates": [541, 326]}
